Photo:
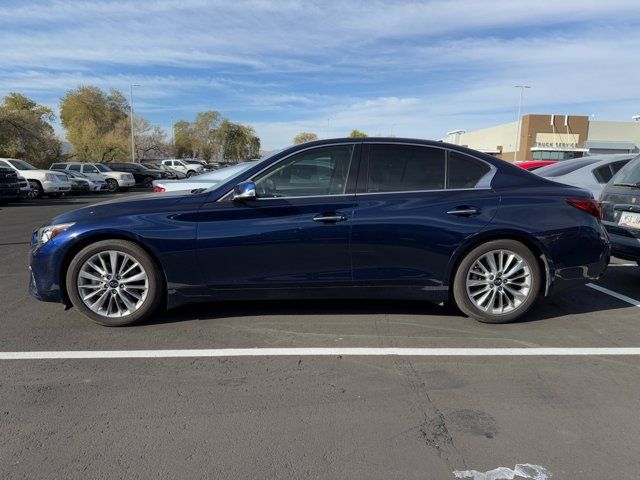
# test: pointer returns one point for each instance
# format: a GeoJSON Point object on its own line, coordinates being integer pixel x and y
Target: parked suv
{"type": "Point", "coordinates": [143, 175]}
{"type": "Point", "coordinates": [189, 169]}
{"type": "Point", "coordinates": [115, 180]}
{"type": "Point", "coordinates": [9, 186]}
{"type": "Point", "coordinates": [41, 182]}
{"type": "Point", "coordinates": [620, 202]}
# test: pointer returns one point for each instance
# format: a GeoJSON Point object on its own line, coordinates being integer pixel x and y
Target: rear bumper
{"type": "Point", "coordinates": [56, 187]}
{"type": "Point", "coordinates": [11, 190]}
{"type": "Point", "coordinates": [582, 260]}
{"type": "Point", "coordinates": [624, 247]}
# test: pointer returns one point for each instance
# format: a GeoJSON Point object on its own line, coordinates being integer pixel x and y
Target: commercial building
{"type": "Point", "coordinates": [551, 137]}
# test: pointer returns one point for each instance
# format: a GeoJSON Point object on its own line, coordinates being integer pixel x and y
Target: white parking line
{"type": "Point", "coordinates": [318, 352]}
{"type": "Point", "coordinates": [619, 296]}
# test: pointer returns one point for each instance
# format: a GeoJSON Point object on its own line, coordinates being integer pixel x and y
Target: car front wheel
{"type": "Point", "coordinates": [112, 185]}
{"type": "Point", "coordinates": [35, 191]}
{"type": "Point", "coordinates": [497, 282]}
{"type": "Point", "coordinates": [190, 173]}
{"type": "Point", "coordinates": [114, 283]}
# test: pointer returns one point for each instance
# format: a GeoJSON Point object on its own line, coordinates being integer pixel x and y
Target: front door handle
{"type": "Point", "coordinates": [464, 211]}
{"type": "Point", "coordinates": [329, 217]}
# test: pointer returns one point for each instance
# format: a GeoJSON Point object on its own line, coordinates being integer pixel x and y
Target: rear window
{"type": "Point", "coordinates": [464, 171]}
{"type": "Point", "coordinates": [630, 173]}
{"type": "Point", "coordinates": [566, 167]}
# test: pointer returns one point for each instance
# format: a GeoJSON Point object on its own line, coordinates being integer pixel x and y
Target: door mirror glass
{"type": "Point", "coordinates": [244, 191]}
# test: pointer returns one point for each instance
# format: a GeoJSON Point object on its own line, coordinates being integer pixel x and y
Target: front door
{"type": "Point", "coordinates": [415, 206]}
{"type": "Point", "coordinates": [295, 234]}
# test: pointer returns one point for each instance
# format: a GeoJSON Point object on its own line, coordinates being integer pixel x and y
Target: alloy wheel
{"type": "Point", "coordinates": [112, 284]}
{"type": "Point", "coordinates": [498, 282]}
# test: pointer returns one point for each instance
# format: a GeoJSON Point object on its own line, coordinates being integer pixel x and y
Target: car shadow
{"type": "Point", "coordinates": [230, 309]}
{"type": "Point", "coordinates": [579, 301]}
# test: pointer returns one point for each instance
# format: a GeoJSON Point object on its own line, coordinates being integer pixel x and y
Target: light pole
{"type": "Point", "coordinates": [133, 143]}
{"type": "Point", "coordinates": [519, 126]}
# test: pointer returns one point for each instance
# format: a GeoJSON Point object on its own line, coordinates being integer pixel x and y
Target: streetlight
{"type": "Point", "coordinates": [519, 126]}
{"type": "Point", "coordinates": [133, 144]}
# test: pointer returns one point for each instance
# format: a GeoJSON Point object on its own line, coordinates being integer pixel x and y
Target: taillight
{"type": "Point", "coordinates": [158, 189]}
{"type": "Point", "coordinates": [590, 206]}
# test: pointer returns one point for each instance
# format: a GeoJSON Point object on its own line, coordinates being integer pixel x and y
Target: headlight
{"type": "Point", "coordinates": [50, 177]}
{"type": "Point", "coordinates": [47, 233]}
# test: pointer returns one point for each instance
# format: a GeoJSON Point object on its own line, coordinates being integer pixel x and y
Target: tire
{"type": "Point", "coordinates": [147, 182]}
{"type": "Point", "coordinates": [191, 173]}
{"type": "Point", "coordinates": [112, 185]}
{"type": "Point", "coordinates": [471, 282]}
{"type": "Point", "coordinates": [117, 313]}
{"type": "Point", "coordinates": [36, 190]}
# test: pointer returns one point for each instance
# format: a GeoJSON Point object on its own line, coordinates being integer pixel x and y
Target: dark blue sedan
{"type": "Point", "coordinates": [345, 218]}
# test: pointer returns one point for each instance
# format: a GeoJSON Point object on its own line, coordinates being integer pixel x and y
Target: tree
{"type": "Point", "coordinates": [150, 140]}
{"type": "Point", "coordinates": [97, 124]}
{"type": "Point", "coordinates": [357, 134]}
{"type": "Point", "coordinates": [304, 137]}
{"type": "Point", "coordinates": [26, 131]}
{"type": "Point", "coordinates": [239, 142]}
{"type": "Point", "coordinates": [212, 137]}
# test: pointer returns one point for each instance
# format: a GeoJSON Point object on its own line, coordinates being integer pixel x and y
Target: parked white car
{"type": "Point", "coordinates": [98, 171]}
{"type": "Point", "coordinates": [206, 180]}
{"type": "Point", "coordinates": [189, 169]}
{"type": "Point", "coordinates": [591, 173]}
{"type": "Point", "coordinates": [41, 182]}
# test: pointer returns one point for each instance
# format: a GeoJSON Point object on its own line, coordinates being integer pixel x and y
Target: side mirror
{"type": "Point", "coordinates": [244, 191]}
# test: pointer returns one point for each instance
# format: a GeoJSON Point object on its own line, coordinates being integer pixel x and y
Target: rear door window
{"type": "Point", "coordinates": [405, 168]}
{"type": "Point", "coordinates": [75, 168]}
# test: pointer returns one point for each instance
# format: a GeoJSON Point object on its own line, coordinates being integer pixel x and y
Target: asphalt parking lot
{"type": "Point", "coordinates": [304, 416]}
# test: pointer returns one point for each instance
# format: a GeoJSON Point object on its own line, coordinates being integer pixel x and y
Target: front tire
{"type": "Point", "coordinates": [147, 182]}
{"type": "Point", "coordinates": [497, 282]}
{"type": "Point", "coordinates": [36, 190]}
{"type": "Point", "coordinates": [115, 283]}
{"type": "Point", "coordinates": [112, 185]}
{"type": "Point", "coordinates": [191, 173]}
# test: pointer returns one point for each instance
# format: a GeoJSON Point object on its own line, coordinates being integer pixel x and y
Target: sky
{"type": "Point", "coordinates": [406, 68]}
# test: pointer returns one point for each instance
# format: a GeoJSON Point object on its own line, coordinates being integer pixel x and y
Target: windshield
{"type": "Point", "coordinates": [22, 165]}
{"type": "Point", "coordinates": [102, 168]}
{"type": "Point", "coordinates": [629, 174]}
{"type": "Point", "coordinates": [565, 167]}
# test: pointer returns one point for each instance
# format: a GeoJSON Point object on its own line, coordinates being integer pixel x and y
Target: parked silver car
{"type": "Point", "coordinates": [591, 173]}
{"type": "Point", "coordinates": [204, 180]}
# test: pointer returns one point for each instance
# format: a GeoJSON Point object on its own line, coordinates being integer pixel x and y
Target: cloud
{"type": "Point", "coordinates": [414, 68]}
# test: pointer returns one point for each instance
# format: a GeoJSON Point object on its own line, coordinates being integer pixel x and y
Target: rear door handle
{"type": "Point", "coordinates": [329, 217]}
{"type": "Point", "coordinates": [463, 211]}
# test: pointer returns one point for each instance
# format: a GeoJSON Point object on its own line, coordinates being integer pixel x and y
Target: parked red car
{"type": "Point", "coordinates": [533, 164]}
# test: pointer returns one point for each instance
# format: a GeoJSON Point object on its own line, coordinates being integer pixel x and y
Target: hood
{"type": "Point", "coordinates": [123, 206]}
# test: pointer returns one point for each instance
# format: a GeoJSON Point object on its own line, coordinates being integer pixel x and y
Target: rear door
{"type": "Point", "coordinates": [415, 205]}
{"type": "Point", "coordinates": [294, 235]}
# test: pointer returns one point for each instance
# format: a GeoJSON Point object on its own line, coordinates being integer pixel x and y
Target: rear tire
{"type": "Point", "coordinates": [501, 294]}
{"type": "Point", "coordinates": [127, 299]}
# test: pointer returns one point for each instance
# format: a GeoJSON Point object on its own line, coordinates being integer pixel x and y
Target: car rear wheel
{"type": "Point", "coordinates": [114, 283]}
{"type": "Point", "coordinates": [497, 282]}
{"type": "Point", "coordinates": [112, 185]}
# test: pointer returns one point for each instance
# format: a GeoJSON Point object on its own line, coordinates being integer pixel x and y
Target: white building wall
{"type": "Point", "coordinates": [488, 139]}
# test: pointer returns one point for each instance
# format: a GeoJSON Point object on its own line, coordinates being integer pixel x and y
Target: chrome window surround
{"type": "Point", "coordinates": [483, 184]}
